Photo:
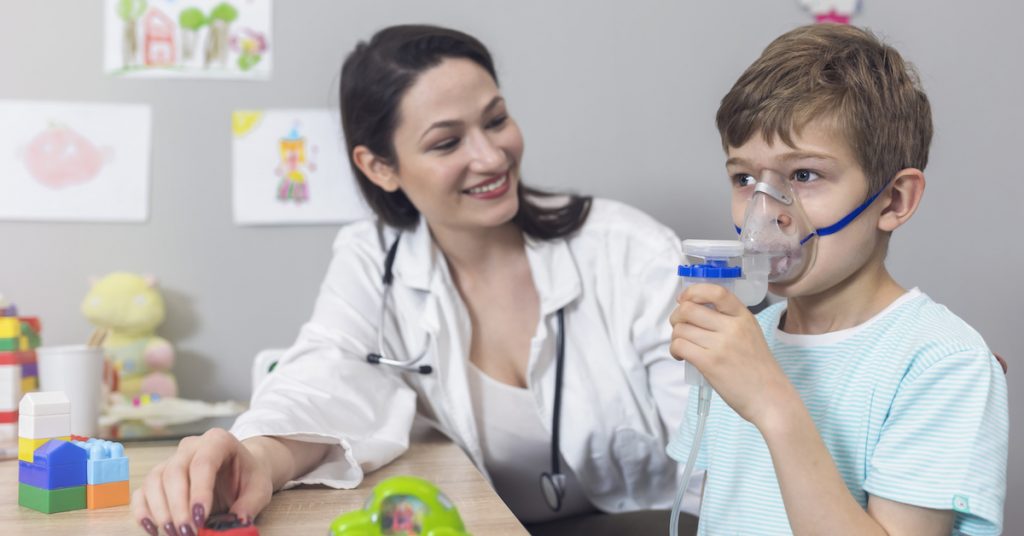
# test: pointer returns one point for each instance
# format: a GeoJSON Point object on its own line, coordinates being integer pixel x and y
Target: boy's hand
{"type": "Point", "coordinates": [727, 346]}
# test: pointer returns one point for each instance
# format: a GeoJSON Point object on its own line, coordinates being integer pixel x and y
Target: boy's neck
{"type": "Point", "coordinates": [848, 304]}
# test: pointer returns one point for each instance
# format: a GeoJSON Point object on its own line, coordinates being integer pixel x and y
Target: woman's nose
{"type": "Point", "coordinates": [487, 155]}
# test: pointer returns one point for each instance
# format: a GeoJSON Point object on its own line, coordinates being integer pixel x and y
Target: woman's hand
{"type": "Point", "coordinates": [207, 473]}
{"type": "Point", "coordinates": [727, 346]}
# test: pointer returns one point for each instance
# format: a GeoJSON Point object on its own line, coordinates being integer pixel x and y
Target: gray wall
{"type": "Point", "coordinates": [616, 99]}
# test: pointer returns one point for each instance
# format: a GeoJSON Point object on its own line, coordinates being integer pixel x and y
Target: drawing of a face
{"type": "Point", "coordinates": [60, 157]}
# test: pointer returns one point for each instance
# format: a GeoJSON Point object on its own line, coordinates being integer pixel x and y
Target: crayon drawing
{"type": "Point", "coordinates": [188, 38]}
{"type": "Point", "coordinates": [74, 162]}
{"type": "Point", "coordinates": [289, 166]}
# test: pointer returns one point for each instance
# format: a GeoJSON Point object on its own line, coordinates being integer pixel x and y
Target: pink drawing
{"type": "Point", "coordinates": [158, 48]}
{"type": "Point", "coordinates": [833, 11]}
{"type": "Point", "coordinates": [59, 157]}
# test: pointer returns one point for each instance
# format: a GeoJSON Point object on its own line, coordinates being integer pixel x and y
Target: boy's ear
{"type": "Point", "coordinates": [902, 200]}
{"type": "Point", "coordinates": [375, 168]}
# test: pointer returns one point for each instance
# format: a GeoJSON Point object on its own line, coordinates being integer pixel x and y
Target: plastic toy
{"type": "Point", "coordinates": [18, 370]}
{"type": "Point", "coordinates": [130, 307]}
{"type": "Point", "coordinates": [402, 506]}
{"type": "Point", "coordinates": [57, 475]}
{"type": "Point", "coordinates": [228, 524]}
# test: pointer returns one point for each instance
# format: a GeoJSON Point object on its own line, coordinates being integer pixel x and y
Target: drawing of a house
{"type": "Point", "coordinates": [158, 45]}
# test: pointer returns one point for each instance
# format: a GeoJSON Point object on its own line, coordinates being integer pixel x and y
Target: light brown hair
{"type": "Point", "coordinates": [841, 74]}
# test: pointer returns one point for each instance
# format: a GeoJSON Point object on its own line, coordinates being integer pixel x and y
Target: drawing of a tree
{"type": "Point", "coordinates": [221, 17]}
{"type": "Point", "coordinates": [130, 11]}
{"type": "Point", "coordinates": [191, 20]}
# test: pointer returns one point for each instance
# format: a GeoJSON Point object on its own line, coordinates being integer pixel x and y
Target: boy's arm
{"type": "Point", "coordinates": [816, 497]}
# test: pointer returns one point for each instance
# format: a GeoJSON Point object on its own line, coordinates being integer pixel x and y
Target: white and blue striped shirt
{"type": "Point", "coordinates": [911, 404]}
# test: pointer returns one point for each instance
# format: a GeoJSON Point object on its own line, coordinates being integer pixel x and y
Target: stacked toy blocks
{"type": "Point", "coordinates": [56, 474]}
{"type": "Point", "coordinates": [51, 470]}
{"type": "Point", "coordinates": [106, 473]}
{"type": "Point", "coordinates": [19, 337]}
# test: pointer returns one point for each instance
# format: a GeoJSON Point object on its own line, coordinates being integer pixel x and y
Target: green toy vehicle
{"type": "Point", "coordinates": [402, 506]}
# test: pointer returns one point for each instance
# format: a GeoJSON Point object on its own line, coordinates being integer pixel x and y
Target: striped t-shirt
{"type": "Point", "coordinates": [911, 404]}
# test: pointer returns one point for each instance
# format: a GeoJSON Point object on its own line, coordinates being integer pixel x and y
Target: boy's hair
{"type": "Point", "coordinates": [838, 73]}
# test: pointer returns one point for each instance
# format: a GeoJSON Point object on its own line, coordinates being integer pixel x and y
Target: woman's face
{"type": "Point", "coordinates": [458, 149]}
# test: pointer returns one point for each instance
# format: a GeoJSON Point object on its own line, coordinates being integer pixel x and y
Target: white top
{"type": "Point", "coordinates": [623, 391]}
{"type": "Point", "coordinates": [516, 446]}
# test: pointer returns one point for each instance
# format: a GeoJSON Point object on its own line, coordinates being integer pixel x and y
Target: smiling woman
{"type": "Point", "coordinates": [486, 308]}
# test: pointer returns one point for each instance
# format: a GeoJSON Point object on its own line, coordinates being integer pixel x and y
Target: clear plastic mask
{"type": "Point", "coordinates": [776, 231]}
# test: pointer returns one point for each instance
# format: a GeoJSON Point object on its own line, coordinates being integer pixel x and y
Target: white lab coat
{"type": "Point", "coordinates": [623, 392]}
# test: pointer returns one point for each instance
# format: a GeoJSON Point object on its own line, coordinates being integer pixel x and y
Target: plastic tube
{"type": "Point", "coordinates": [703, 406]}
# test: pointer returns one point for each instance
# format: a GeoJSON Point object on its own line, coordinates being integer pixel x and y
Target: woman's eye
{"type": "Point", "coordinates": [497, 121]}
{"type": "Point", "coordinates": [446, 145]}
{"type": "Point", "coordinates": [804, 175]}
{"type": "Point", "coordinates": [742, 179]}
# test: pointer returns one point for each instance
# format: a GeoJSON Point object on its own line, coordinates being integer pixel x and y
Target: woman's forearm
{"type": "Point", "coordinates": [286, 459]}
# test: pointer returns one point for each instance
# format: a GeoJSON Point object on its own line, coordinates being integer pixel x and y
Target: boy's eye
{"type": "Point", "coordinates": [805, 175]}
{"type": "Point", "coordinates": [742, 179]}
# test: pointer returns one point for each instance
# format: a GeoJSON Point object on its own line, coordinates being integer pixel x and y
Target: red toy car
{"type": "Point", "coordinates": [228, 524]}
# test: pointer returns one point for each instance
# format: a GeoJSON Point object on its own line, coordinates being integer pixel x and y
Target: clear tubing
{"type": "Point", "coordinates": [704, 404]}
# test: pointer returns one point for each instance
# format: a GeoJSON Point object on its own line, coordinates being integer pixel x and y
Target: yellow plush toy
{"type": "Point", "coordinates": [130, 307]}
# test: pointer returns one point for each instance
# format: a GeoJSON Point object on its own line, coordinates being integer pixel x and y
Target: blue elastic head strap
{"type": "Point", "coordinates": [839, 225]}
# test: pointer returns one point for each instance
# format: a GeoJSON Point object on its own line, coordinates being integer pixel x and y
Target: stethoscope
{"type": "Point", "coordinates": [552, 484]}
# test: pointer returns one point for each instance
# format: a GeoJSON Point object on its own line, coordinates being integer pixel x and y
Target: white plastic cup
{"type": "Point", "coordinates": [78, 371]}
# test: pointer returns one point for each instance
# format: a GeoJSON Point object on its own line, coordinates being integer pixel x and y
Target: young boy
{"type": "Point", "coordinates": [857, 406]}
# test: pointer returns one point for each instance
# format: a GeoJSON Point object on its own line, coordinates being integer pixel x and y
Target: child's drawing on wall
{"type": "Point", "coordinates": [294, 168]}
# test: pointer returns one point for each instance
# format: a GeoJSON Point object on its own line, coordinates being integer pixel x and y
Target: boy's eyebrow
{"type": "Point", "coordinates": [787, 157]}
{"type": "Point", "coordinates": [454, 122]}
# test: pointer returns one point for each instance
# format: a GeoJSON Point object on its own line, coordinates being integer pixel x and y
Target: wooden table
{"type": "Point", "coordinates": [298, 511]}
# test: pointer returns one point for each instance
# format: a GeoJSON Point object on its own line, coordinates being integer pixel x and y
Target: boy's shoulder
{"type": "Point", "coordinates": [914, 322]}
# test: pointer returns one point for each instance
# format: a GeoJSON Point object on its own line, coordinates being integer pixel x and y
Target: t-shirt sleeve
{"type": "Point", "coordinates": [944, 443]}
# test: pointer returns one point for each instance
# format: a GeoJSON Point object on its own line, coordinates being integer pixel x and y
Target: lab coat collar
{"type": "Point", "coordinates": [554, 273]}
{"type": "Point", "coordinates": [417, 257]}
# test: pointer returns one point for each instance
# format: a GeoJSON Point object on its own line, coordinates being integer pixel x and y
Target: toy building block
{"type": "Point", "coordinates": [10, 327]}
{"type": "Point", "coordinates": [107, 495]}
{"type": "Point", "coordinates": [44, 426]}
{"type": "Point", "coordinates": [51, 501]}
{"type": "Point", "coordinates": [106, 461]}
{"type": "Point", "coordinates": [45, 403]}
{"type": "Point", "coordinates": [58, 464]}
{"type": "Point", "coordinates": [10, 387]}
{"type": "Point", "coordinates": [228, 524]}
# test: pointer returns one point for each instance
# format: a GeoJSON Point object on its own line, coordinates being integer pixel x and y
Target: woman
{"type": "Point", "coordinates": [483, 272]}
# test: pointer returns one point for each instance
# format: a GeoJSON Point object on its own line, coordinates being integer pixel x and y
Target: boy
{"type": "Point", "coordinates": [855, 407]}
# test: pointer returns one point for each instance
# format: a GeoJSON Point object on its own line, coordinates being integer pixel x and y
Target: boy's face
{"type": "Point", "coordinates": [829, 183]}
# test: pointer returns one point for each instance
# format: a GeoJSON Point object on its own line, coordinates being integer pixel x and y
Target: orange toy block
{"type": "Point", "coordinates": [107, 495]}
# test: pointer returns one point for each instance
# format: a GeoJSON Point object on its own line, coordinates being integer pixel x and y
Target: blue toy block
{"type": "Point", "coordinates": [107, 462]}
{"type": "Point", "coordinates": [58, 464]}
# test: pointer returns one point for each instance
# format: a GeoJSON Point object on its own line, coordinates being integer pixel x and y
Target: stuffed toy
{"type": "Point", "coordinates": [129, 307]}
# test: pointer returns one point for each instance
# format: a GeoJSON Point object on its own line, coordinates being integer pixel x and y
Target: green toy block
{"type": "Point", "coordinates": [51, 501]}
{"type": "Point", "coordinates": [10, 344]}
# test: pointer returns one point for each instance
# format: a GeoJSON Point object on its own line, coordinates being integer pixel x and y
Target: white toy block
{"type": "Point", "coordinates": [10, 387]}
{"type": "Point", "coordinates": [8, 431]}
{"type": "Point", "coordinates": [44, 426]}
{"type": "Point", "coordinates": [44, 403]}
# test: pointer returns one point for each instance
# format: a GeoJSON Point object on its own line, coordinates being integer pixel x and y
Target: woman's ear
{"type": "Point", "coordinates": [375, 168]}
{"type": "Point", "coordinates": [902, 200]}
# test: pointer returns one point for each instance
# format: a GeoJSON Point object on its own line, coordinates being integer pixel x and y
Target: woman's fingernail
{"type": "Point", "coordinates": [169, 529]}
{"type": "Point", "coordinates": [149, 527]}
{"type": "Point", "coordinates": [186, 530]}
{"type": "Point", "coordinates": [198, 514]}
